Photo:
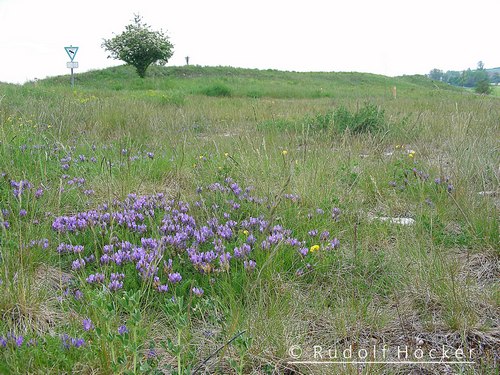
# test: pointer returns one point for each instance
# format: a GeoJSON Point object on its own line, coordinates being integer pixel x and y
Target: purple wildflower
{"type": "Point", "coordinates": [76, 342]}
{"type": "Point", "coordinates": [324, 235]}
{"type": "Point", "coordinates": [78, 294]}
{"type": "Point", "coordinates": [115, 285]}
{"type": "Point", "coordinates": [95, 278]}
{"type": "Point", "coordinates": [313, 233]}
{"type": "Point", "coordinates": [174, 277]}
{"type": "Point", "coordinates": [249, 265]}
{"type": "Point", "coordinates": [335, 213]}
{"type": "Point", "coordinates": [151, 353]}
{"type": "Point", "coordinates": [87, 325]}
{"type": "Point", "coordinates": [198, 291]}
{"type": "Point", "coordinates": [162, 288]}
{"type": "Point", "coordinates": [334, 244]}
{"type": "Point", "coordinates": [19, 341]}
{"type": "Point", "coordinates": [38, 193]}
{"type": "Point", "coordinates": [77, 264]}
{"type": "Point", "coordinates": [117, 276]}
{"type": "Point", "coordinates": [122, 329]}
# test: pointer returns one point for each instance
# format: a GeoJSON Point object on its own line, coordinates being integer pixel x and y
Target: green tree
{"type": "Point", "coordinates": [483, 87]}
{"type": "Point", "coordinates": [495, 78]}
{"type": "Point", "coordinates": [139, 46]}
{"type": "Point", "coordinates": [436, 74]}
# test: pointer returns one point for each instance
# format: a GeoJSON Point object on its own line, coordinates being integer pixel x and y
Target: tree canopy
{"type": "Point", "coordinates": [468, 78]}
{"type": "Point", "coordinates": [140, 46]}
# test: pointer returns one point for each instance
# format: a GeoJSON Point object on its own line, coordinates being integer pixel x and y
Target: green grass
{"type": "Point", "coordinates": [496, 91]}
{"type": "Point", "coordinates": [304, 144]}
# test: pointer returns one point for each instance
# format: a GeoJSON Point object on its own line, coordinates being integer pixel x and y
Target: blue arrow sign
{"type": "Point", "coordinates": [71, 51]}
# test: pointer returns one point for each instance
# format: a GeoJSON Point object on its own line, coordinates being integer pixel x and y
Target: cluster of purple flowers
{"type": "Point", "coordinates": [423, 176]}
{"type": "Point", "coordinates": [116, 281]}
{"type": "Point", "coordinates": [17, 341]}
{"type": "Point", "coordinates": [197, 291]}
{"type": "Point", "coordinates": [210, 247]}
{"type": "Point", "coordinates": [43, 243]}
{"type": "Point", "coordinates": [95, 278]}
{"type": "Point", "coordinates": [18, 188]}
{"type": "Point", "coordinates": [130, 214]}
{"type": "Point", "coordinates": [39, 192]}
{"type": "Point", "coordinates": [444, 182]}
{"type": "Point", "coordinates": [293, 197]}
{"type": "Point", "coordinates": [231, 187]}
{"type": "Point", "coordinates": [336, 213]}
{"type": "Point", "coordinates": [79, 181]}
{"type": "Point", "coordinates": [87, 324]}
{"type": "Point", "coordinates": [65, 162]}
{"type": "Point", "coordinates": [249, 264]}
{"type": "Point", "coordinates": [64, 248]}
{"type": "Point", "coordinates": [69, 342]}
{"type": "Point", "coordinates": [78, 264]}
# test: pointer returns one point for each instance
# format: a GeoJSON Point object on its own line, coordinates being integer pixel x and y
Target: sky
{"type": "Point", "coordinates": [389, 37]}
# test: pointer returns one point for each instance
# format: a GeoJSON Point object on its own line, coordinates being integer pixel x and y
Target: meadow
{"type": "Point", "coordinates": [223, 220]}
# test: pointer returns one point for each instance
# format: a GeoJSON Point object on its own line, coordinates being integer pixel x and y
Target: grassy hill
{"type": "Point", "coordinates": [147, 223]}
{"type": "Point", "coordinates": [228, 81]}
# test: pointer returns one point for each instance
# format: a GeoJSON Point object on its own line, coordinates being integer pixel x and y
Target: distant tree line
{"type": "Point", "coordinates": [467, 78]}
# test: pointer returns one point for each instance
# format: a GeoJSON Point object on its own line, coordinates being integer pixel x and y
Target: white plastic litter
{"type": "Point", "coordinates": [396, 220]}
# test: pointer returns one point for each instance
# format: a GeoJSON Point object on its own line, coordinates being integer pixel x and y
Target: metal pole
{"type": "Point", "coordinates": [72, 79]}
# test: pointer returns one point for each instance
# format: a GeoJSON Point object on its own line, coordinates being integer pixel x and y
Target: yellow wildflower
{"type": "Point", "coordinates": [284, 152]}
{"type": "Point", "coordinates": [314, 248]}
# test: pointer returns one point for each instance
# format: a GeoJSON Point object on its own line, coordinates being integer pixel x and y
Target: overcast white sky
{"type": "Point", "coordinates": [390, 37]}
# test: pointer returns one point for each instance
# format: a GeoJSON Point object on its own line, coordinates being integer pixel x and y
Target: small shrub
{"type": "Point", "coordinates": [343, 119]}
{"type": "Point", "coordinates": [254, 94]}
{"type": "Point", "coordinates": [173, 97]}
{"type": "Point", "coordinates": [368, 119]}
{"type": "Point", "coordinates": [483, 87]}
{"type": "Point", "coordinates": [321, 121]}
{"type": "Point", "coordinates": [217, 90]}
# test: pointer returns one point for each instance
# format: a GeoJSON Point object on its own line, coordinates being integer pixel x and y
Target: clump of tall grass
{"type": "Point", "coordinates": [370, 118]}
{"type": "Point", "coordinates": [367, 119]}
{"type": "Point", "coordinates": [217, 90]}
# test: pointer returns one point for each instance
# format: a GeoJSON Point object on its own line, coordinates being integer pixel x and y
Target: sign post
{"type": "Point", "coordinates": [71, 51]}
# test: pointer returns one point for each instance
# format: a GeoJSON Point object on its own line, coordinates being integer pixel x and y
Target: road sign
{"type": "Point", "coordinates": [71, 51]}
{"type": "Point", "coordinates": [72, 64]}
